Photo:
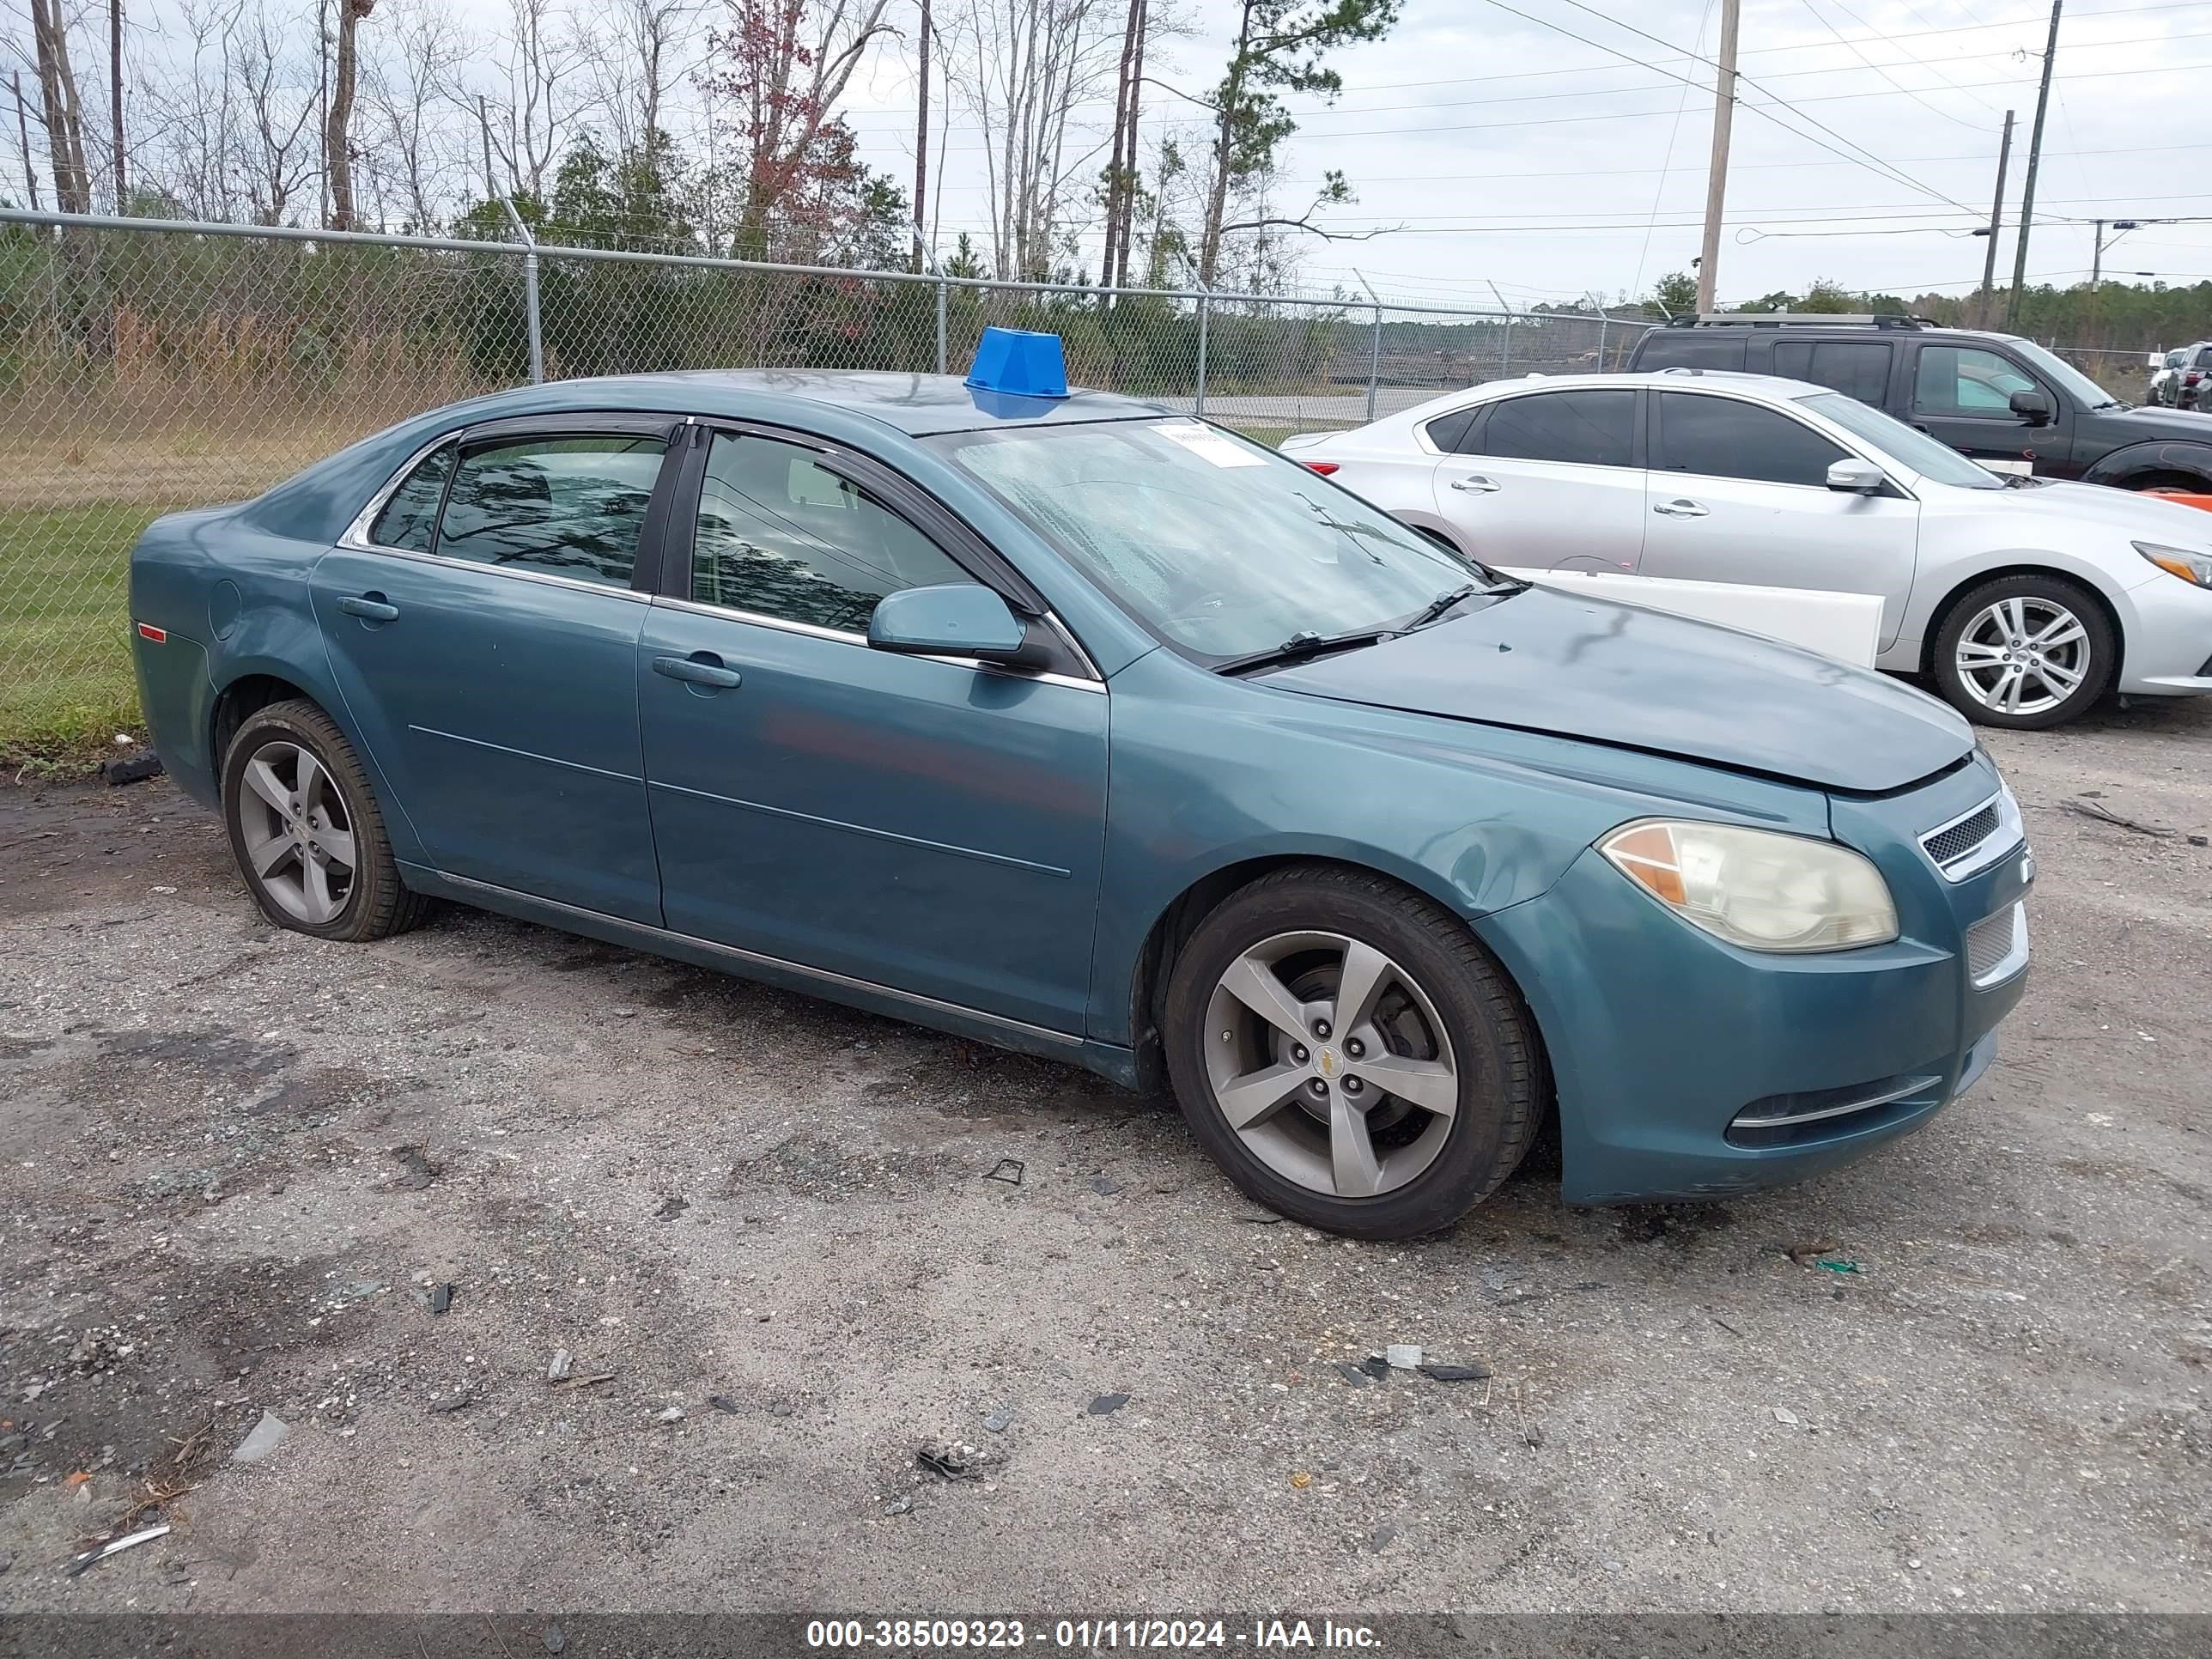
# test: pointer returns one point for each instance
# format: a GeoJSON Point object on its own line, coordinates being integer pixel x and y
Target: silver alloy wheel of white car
{"type": "Point", "coordinates": [2023, 655]}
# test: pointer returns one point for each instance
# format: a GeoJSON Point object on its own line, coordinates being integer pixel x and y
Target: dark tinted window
{"type": "Point", "coordinates": [2204, 357]}
{"type": "Point", "coordinates": [1857, 368]}
{"type": "Point", "coordinates": [785, 537]}
{"type": "Point", "coordinates": [411, 516]}
{"type": "Point", "coordinates": [1447, 431]}
{"type": "Point", "coordinates": [1683, 348]}
{"type": "Point", "coordinates": [571, 507]}
{"type": "Point", "coordinates": [1594, 429]}
{"type": "Point", "coordinates": [1723, 438]}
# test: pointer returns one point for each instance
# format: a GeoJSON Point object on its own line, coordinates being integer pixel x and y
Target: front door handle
{"type": "Point", "coordinates": [699, 668]}
{"type": "Point", "coordinates": [1475, 484]}
{"type": "Point", "coordinates": [371, 607]}
{"type": "Point", "coordinates": [1682, 508]}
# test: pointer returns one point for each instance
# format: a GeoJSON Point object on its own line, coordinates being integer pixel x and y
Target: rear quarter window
{"type": "Point", "coordinates": [1688, 348]}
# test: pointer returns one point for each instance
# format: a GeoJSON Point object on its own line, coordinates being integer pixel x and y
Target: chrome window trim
{"type": "Point", "coordinates": [515, 572]}
{"type": "Point", "coordinates": [356, 535]}
{"type": "Point", "coordinates": [1998, 845]}
{"type": "Point", "coordinates": [758, 958]}
{"type": "Point", "coordinates": [846, 636]}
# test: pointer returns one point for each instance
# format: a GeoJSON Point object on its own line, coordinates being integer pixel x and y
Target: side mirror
{"type": "Point", "coordinates": [2031, 405]}
{"type": "Point", "coordinates": [955, 619]}
{"type": "Point", "coordinates": [1856, 477]}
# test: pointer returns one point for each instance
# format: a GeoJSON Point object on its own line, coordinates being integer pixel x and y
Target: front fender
{"type": "Point", "coordinates": [2156, 455]}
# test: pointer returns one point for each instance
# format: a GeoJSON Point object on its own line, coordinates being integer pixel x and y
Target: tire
{"type": "Point", "coordinates": [292, 857]}
{"type": "Point", "coordinates": [1991, 619]}
{"type": "Point", "coordinates": [1438, 999]}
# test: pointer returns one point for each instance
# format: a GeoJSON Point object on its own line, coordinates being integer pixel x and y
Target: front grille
{"type": "Point", "coordinates": [1949, 845]}
{"type": "Point", "coordinates": [1997, 945]}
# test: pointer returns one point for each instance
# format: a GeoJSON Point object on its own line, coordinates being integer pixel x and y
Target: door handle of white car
{"type": "Point", "coordinates": [1681, 508]}
{"type": "Point", "coordinates": [1475, 484]}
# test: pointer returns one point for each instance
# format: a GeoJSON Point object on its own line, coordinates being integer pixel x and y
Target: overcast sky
{"type": "Point", "coordinates": [1513, 154]}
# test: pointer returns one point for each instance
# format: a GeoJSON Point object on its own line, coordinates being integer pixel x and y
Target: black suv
{"type": "Point", "coordinates": [2005, 401]}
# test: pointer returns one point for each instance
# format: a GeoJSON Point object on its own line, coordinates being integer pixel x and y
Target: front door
{"type": "Point", "coordinates": [927, 824]}
{"type": "Point", "coordinates": [484, 640]}
{"type": "Point", "coordinates": [1549, 480]}
{"type": "Point", "coordinates": [1739, 494]}
{"type": "Point", "coordinates": [1962, 395]}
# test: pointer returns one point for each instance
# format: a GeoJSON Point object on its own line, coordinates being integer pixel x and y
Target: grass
{"type": "Point", "coordinates": [66, 685]}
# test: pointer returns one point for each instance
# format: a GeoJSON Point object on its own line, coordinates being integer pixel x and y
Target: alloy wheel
{"type": "Point", "coordinates": [2023, 655]}
{"type": "Point", "coordinates": [1330, 1062]}
{"type": "Point", "coordinates": [297, 834]}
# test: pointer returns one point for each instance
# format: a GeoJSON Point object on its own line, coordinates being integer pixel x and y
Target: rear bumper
{"type": "Point", "coordinates": [178, 701]}
{"type": "Point", "coordinates": [1688, 1069]}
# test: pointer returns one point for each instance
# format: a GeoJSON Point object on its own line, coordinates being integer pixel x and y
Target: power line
{"type": "Point", "coordinates": [1883, 71]}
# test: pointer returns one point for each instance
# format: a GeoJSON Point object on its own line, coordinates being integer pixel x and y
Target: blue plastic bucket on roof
{"type": "Point", "coordinates": [1019, 363]}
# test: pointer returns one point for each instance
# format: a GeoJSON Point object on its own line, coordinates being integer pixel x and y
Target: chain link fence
{"type": "Point", "coordinates": [147, 367]}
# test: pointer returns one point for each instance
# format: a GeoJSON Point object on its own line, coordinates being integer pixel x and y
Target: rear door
{"type": "Point", "coordinates": [1962, 394]}
{"type": "Point", "coordinates": [1857, 368]}
{"type": "Point", "coordinates": [1551, 479]}
{"type": "Point", "coordinates": [483, 631]}
{"type": "Point", "coordinates": [1739, 494]}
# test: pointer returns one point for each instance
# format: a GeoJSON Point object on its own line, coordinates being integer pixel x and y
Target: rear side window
{"type": "Point", "coordinates": [566, 507]}
{"type": "Point", "coordinates": [409, 518]}
{"type": "Point", "coordinates": [1591, 429]}
{"type": "Point", "coordinates": [1448, 432]}
{"type": "Point", "coordinates": [1857, 368]}
{"type": "Point", "coordinates": [2204, 357]}
{"type": "Point", "coordinates": [781, 536]}
{"type": "Point", "coordinates": [1669, 348]}
{"type": "Point", "coordinates": [1724, 438]}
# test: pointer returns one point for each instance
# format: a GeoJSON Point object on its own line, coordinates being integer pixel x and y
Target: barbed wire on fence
{"type": "Point", "coordinates": [147, 367]}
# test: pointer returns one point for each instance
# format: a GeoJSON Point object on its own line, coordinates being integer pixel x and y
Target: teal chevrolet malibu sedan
{"type": "Point", "coordinates": [1073, 726]}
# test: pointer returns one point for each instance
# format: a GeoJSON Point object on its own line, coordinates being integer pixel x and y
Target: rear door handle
{"type": "Point", "coordinates": [1475, 484]}
{"type": "Point", "coordinates": [1682, 508]}
{"type": "Point", "coordinates": [699, 668]}
{"type": "Point", "coordinates": [369, 607]}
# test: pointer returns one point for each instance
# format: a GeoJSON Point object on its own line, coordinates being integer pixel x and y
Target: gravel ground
{"type": "Point", "coordinates": [234, 1163]}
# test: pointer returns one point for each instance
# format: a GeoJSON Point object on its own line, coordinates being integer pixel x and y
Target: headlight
{"type": "Point", "coordinates": [2179, 561]}
{"type": "Point", "coordinates": [1757, 889]}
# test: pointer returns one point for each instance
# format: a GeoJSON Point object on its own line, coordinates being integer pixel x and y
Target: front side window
{"type": "Point", "coordinates": [1589, 428]}
{"type": "Point", "coordinates": [1966, 381]}
{"type": "Point", "coordinates": [409, 518]}
{"type": "Point", "coordinates": [565, 506]}
{"type": "Point", "coordinates": [1725, 438]}
{"type": "Point", "coordinates": [1891, 437]}
{"type": "Point", "coordinates": [781, 536]}
{"type": "Point", "coordinates": [1218, 546]}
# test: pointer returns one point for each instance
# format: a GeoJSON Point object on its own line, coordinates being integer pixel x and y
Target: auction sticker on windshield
{"type": "Point", "coordinates": [1207, 444]}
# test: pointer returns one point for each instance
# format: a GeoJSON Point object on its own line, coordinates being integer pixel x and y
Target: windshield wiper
{"type": "Point", "coordinates": [1300, 646]}
{"type": "Point", "coordinates": [1435, 609]}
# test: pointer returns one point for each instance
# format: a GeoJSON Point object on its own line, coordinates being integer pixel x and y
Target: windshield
{"type": "Point", "coordinates": [1916, 450]}
{"type": "Point", "coordinates": [2071, 380]}
{"type": "Point", "coordinates": [1221, 547]}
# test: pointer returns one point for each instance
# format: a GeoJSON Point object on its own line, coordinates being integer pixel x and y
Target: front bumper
{"type": "Point", "coordinates": [2167, 650]}
{"type": "Point", "coordinates": [1686, 1068]}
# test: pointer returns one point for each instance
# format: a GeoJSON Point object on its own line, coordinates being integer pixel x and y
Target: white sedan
{"type": "Point", "coordinates": [2024, 600]}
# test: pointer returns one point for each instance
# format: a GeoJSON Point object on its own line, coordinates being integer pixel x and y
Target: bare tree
{"type": "Point", "coordinates": [921, 135]}
{"type": "Point", "coordinates": [23, 137]}
{"type": "Point", "coordinates": [63, 117]}
{"type": "Point", "coordinates": [416, 137]}
{"type": "Point", "coordinates": [275, 100]}
{"type": "Point", "coordinates": [115, 99]}
{"type": "Point", "coordinates": [1026, 66]}
{"type": "Point", "coordinates": [636, 61]}
{"type": "Point", "coordinates": [337, 122]}
{"type": "Point", "coordinates": [187, 108]}
{"type": "Point", "coordinates": [542, 57]}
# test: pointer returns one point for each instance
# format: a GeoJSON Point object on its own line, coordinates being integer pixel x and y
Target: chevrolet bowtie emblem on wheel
{"type": "Point", "coordinates": [1329, 1062]}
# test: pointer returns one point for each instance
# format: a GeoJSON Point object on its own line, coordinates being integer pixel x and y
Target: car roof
{"type": "Point", "coordinates": [1729, 380]}
{"type": "Point", "coordinates": [916, 404]}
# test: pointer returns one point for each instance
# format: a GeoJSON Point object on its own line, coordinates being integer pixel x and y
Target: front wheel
{"type": "Point", "coordinates": [2025, 651]}
{"type": "Point", "coordinates": [1349, 1054]}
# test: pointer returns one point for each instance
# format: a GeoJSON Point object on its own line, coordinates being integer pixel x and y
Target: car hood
{"type": "Point", "coordinates": [2128, 512]}
{"type": "Point", "coordinates": [1545, 661]}
{"type": "Point", "coordinates": [2176, 425]}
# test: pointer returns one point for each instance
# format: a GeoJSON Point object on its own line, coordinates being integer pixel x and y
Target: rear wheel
{"type": "Point", "coordinates": [306, 830]}
{"type": "Point", "coordinates": [2025, 651]}
{"type": "Point", "coordinates": [1349, 1054]}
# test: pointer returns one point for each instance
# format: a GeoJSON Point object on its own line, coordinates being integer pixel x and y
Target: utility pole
{"type": "Point", "coordinates": [2034, 159]}
{"type": "Point", "coordinates": [1996, 224]}
{"type": "Point", "coordinates": [1709, 258]}
{"type": "Point", "coordinates": [2120, 228]}
{"type": "Point", "coordinates": [921, 147]}
{"type": "Point", "coordinates": [115, 98]}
